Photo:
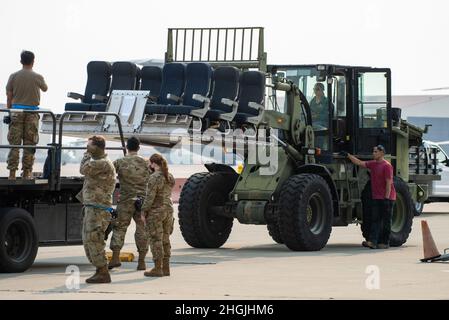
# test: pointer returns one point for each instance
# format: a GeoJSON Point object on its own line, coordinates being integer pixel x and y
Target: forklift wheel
{"type": "Point", "coordinates": [305, 212]}
{"type": "Point", "coordinates": [201, 228]}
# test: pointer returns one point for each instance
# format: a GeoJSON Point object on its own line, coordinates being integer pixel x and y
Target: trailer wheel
{"type": "Point", "coordinates": [201, 228]}
{"type": "Point", "coordinates": [306, 212]}
{"type": "Point", "coordinates": [275, 232]}
{"type": "Point", "coordinates": [18, 240]}
{"type": "Point", "coordinates": [403, 213]}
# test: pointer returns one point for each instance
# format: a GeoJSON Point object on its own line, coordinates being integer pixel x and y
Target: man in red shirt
{"type": "Point", "coordinates": [383, 196]}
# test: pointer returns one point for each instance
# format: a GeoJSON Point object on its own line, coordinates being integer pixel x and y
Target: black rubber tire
{"type": "Point", "coordinates": [419, 207]}
{"type": "Point", "coordinates": [275, 232]}
{"type": "Point", "coordinates": [18, 240]}
{"type": "Point", "coordinates": [402, 220]}
{"type": "Point", "coordinates": [367, 207]}
{"type": "Point", "coordinates": [403, 213]}
{"type": "Point", "coordinates": [199, 228]}
{"type": "Point", "coordinates": [305, 212]}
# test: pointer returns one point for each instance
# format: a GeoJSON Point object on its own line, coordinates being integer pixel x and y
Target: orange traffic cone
{"type": "Point", "coordinates": [429, 246]}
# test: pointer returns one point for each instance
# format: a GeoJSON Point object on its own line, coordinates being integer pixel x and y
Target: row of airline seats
{"type": "Point", "coordinates": [194, 89]}
{"type": "Point", "coordinates": [125, 76]}
{"type": "Point", "coordinates": [221, 94]}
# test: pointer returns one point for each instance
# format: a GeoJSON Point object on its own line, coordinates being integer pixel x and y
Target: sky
{"type": "Point", "coordinates": [410, 37]}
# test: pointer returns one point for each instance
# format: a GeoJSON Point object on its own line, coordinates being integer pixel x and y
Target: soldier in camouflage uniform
{"type": "Point", "coordinates": [133, 176]}
{"type": "Point", "coordinates": [23, 93]}
{"type": "Point", "coordinates": [96, 195]}
{"type": "Point", "coordinates": [158, 210]}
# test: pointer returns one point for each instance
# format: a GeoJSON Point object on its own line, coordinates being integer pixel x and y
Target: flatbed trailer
{"type": "Point", "coordinates": [43, 211]}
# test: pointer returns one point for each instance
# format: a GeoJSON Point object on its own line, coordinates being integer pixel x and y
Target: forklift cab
{"type": "Point", "coordinates": [350, 106]}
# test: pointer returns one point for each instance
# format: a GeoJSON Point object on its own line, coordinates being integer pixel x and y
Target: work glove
{"type": "Point", "coordinates": [343, 154]}
{"type": "Point", "coordinates": [6, 119]}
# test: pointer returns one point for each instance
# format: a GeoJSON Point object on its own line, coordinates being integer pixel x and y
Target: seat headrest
{"type": "Point", "coordinates": [99, 67]}
{"type": "Point", "coordinates": [151, 72]}
{"type": "Point", "coordinates": [227, 73]}
{"type": "Point", "coordinates": [255, 78]}
{"type": "Point", "coordinates": [124, 69]}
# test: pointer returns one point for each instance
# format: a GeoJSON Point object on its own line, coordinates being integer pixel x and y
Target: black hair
{"type": "Point", "coordinates": [320, 85]}
{"type": "Point", "coordinates": [133, 144]}
{"type": "Point", "coordinates": [26, 58]}
{"type": "Point", "coordinates": [380, 148]}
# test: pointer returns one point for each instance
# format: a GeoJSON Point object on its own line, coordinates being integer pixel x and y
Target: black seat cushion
{"type": "Point", "coordinates": [98, 107]}
{"type": "Point", "coordinates": [167, 109]}
{"type": "Point", "coordinates": [75, 106]}
{"type": "Point", "coordinates": [241, 118]}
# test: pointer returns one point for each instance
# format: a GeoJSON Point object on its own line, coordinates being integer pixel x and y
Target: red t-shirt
{"type": "Point", "coordinates": [380, 172]}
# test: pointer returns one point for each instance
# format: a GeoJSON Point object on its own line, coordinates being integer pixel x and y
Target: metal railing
{"type": "Point", "coordinates": [242, 47]}
{"type": "Point", "coordinates": [55, 147]}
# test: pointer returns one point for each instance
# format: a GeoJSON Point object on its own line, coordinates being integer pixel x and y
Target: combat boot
{"type": "Point", "coordinates": [141, 262]}
{"type": "Point", "coordinates": [27, 174]}
{"type": "Point", "coordinates": [12, 175]}
{"type": "Point", "coordinates": [101, 276]}
{"type": "Point", "coordinates": [115, 261]}
{"type": "Point", "coordinates": [156, 271]}
{"type": "Point", "coordinates": [166, 266]}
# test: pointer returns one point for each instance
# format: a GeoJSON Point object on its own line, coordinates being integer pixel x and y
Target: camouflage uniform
{"type": "Point", "coordinates": [99, 184]}
{"type": "Point", "coordinates": [23, 127]}
{"type": "Point", "coordinates": [133, 176]}
{"type": "Point", "coordinates": [158, 210]}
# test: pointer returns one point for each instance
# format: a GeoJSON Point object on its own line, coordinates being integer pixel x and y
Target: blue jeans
{"type": "Point", "coordinates": [381, 215]}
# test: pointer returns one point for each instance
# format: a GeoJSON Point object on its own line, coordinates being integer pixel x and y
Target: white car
{"type": "Point", "coordinates": [439, 191]}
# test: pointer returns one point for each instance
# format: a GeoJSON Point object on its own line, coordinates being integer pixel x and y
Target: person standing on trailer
{"type": "Point", "coordinates": [23, 93]}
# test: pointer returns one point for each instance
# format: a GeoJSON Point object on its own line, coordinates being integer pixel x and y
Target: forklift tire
{"type": "Point", "coordinates": [18, 240]}
{"type": "Point", "coordinates": [403, 213]}
{"type": "Point", "coordinates": [305, 212]}
{"type": "Point", "coordinates": [199, 227]}
{"type": "Point", "coordinates": [275, 233]}
{"type": "Point", "coordinates": [367, 205]}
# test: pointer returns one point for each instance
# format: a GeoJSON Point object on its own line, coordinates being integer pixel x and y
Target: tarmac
{"type": "Point", "coordinates": [251, 266]}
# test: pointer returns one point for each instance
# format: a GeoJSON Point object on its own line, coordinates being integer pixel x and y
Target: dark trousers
{"type": "Point", "coordinates": [381, 215]}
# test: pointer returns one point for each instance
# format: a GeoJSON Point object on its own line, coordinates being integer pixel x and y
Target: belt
{"type": "Point", "coordinates": [24, 107]}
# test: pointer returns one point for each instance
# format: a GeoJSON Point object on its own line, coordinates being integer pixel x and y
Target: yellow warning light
{"type": "Point", "coordinates": [280, 120]}
{"type": "Point", "coordinates": [240, 168]}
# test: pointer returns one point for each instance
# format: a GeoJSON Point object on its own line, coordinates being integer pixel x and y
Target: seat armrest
{"type": "Point", "coordinates": [173, 97]}
{"type": "Point", "coordinates": [230, 115]}
{"type": "Point", "coordinates": [99, 97]}
{"type": "Point", "coordinates": [75, 95]}
{"type": "Point", "coordinates": [201, 112]}
{"type": "Point", "coordinates": [200, 98]}
{"type": "Point", "coordinates": [257, 119]}
{"type": "Point", "coordinates": [256, 106]}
